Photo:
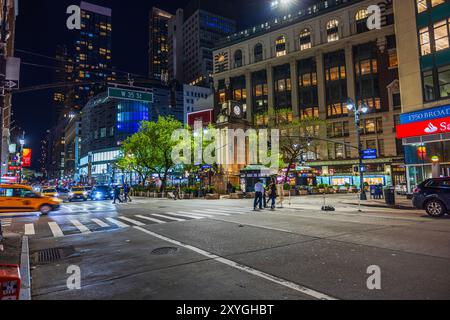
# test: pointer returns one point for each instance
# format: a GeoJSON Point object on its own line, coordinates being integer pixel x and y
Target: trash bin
{"type": "Point", "coordinates": [389, 196]}
{"type": "Point", "coordinates": [9, 282]}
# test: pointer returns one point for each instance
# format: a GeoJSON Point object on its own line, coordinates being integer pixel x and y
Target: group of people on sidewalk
{"type": "Point", "coordinates": [261, 194]}
{"type": "Point", "coordinates": [126, 193]}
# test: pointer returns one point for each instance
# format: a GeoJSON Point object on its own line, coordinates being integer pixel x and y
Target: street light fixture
{"type": "Point", "coordinates": [358, 110]}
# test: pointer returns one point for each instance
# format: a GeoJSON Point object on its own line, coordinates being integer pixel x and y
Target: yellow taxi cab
{"type": "Point", "coordinates": [21, 198]}
{"type": "Point", "coordinates": [50, 192]}
{"type": "Point", "coordinates": [78, 193]}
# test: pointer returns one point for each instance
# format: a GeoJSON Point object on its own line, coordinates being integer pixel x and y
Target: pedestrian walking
{"type": "Point", "coordinates": [272, 194]}
{"type": "Point", "coordinates": [259, 190]}
{"type": "Point", "coordinates": [265, 196]}
{"type": "Point", "coordinates": [117, 195]}
{"type": "Point", "coordinates": [176, 193]}
{"type": "Point", "coordinates": [126, 192]}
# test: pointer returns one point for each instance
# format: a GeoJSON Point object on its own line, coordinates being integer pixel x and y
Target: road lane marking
{"type": "Point", "coordinates": [136, 223]}
{"type": "Point", "coordinates": [166, 217]}
{"type": "Point", "coordinates": [151, 219]}
{"type": "Point", "coordinates": [117, 223]}
{"type": "Point", "coordinates": [196, 214]}
{"type": "Point", "coordinates": [100, 223]}
{"type": "Point", "coordinates": [307, 291]}
{"type": "Point", "coordinates": [190, 215]}
{"type": "Point", "coordinates": [56, 230]}
{"type": "Point", "coordinates": [29, 229]}
{"type": "Point", "coordinates": [211, 212]}
{"type": "Point", "coordinates": [80, 226]}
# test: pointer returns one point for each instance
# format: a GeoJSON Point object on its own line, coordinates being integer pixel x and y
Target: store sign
{"type": "Point", "coordinates": [423, 128]}
{"type": "Point", "coordinates": [369, 154]}
{"type": "Point", "coordinates": [425, 115]}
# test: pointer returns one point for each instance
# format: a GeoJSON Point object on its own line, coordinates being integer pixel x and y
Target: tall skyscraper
{"type": "Point", "coordinates": [193, 33]}
{"type": "Point", "coordinates": [159, 44]}
{"type": "Point", "coordinates": [93, 57]}
{"type": "Point", "coordinates": [63, 74]}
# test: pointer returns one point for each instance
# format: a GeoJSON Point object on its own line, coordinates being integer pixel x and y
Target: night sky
{"type": "Point", "coordinates": [41, 25]}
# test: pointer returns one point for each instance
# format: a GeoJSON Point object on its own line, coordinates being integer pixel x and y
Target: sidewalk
{"type": "Point", "coordinates": [10, 250]}
{"type": "Point", "coordinates": [401, 203]}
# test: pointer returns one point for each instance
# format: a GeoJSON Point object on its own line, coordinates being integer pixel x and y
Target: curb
{"type": "Point", "coordinates": [25, 291]}
{"type": "Point", "coordinates": [399, 207]}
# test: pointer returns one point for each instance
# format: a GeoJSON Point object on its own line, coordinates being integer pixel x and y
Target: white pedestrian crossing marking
{"type": "Point", "coordinates": [166, 217]}
{"type": "Point", "coordinates": [117, 223]}
{"type": "Point", "coordinates": [191, 216]}
{"type": "Point", "coordinates": [80, 226]}
{"type": "Point", "coordinates": [136, 223]}
{"type": "Point", "coordinates": [196, 214]}
{"type": "Point", "coordinates": [150, 219]}
{"type": "Point", "coordinates": [29, 229]}
{"type": "Point", "coordinates": [236, 210]}
{"type": "Point", "coordinates": [100, 223]}
{"type": "Point", "coordinates": [57, 232]}
{"type": "Point", "coordinates": [211, 212]}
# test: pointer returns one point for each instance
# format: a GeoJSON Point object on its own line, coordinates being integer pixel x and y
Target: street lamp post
{"type": "Point", "coordinates": [358, 111]}
{"type": "Point", "coordinates": [22, 143]}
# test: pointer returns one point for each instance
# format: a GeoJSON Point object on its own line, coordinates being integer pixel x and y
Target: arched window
{"type": "Point", "coordinates": [361, 21]}
{"type": "Point", "coordinates": [332, 30]}
{"type": "Point", "coordinates": [238, 59]}
{"type": "Point", "coordinates": [305, 39]}
{"type": "Point", "coordinates": [280, 46]}
{"type": "Point", "coordinates": [258, 52]}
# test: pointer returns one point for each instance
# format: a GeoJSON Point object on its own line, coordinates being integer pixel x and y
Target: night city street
{"type": "Point", "coordinates": [233, 159]}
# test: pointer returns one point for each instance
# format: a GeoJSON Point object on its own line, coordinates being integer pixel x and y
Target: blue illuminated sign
{"type": "Point", "coordinates": [425, 115]}
{"type": "Point", "coordinates": [369, 154]}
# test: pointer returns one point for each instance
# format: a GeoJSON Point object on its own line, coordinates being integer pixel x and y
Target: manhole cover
{"type": "Point", "coordinates": [53, 254]}
{"type": "Point", "coordinates": [164, 251]}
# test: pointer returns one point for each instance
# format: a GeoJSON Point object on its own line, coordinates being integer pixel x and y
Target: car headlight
{"type": "Point", "coordinates": [56, 195]}
{"type": "Point", "coordinates": [71, 194]}
{"type": "Point", "coordinates": [85, 193]}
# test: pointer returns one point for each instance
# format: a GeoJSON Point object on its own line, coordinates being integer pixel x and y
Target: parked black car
{"type": "Point", "coordinates": [102, 193]}
{"type": "Point", "coordinates": [433, 195]}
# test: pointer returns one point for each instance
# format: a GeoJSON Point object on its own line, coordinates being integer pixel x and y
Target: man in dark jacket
{"type": "Point", "coordinates": [117, 195]}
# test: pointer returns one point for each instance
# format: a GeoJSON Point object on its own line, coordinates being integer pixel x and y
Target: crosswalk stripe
{"type": "Point", "coordinates": [29, 229]}
{"type": "Point", "coordinates": [166, 217]}
{"type": "Point", "coordinates": [117, 223]}
{"type": "Point", "coordinates": [211, 212]}
{"type": "Point", "coordinates": [191, 216]}
{"type": "Point", "coordinates": [137, 223]}
{"type": "Point", "coordinates": [100, 223]}
{"type": "Point", "coordinates": [228, 210]}
{"type": "Point", "coordinates": [56, 230]}
{"type": "Point", "coordinates": [197, 214]}
{"type": "Point", "coordinates": [150, 219]}
{"type": "Point", "coordinates": [80, 226]}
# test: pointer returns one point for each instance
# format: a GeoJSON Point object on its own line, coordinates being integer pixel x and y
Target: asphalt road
{"type": "Point", "coordinates": [204, 250]}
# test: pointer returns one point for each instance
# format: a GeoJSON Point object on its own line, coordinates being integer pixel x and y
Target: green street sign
{"type": "Point", "coordinates": [125, 94]}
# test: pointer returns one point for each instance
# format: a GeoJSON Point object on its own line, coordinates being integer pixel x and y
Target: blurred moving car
{"type": "Point", "coordinates": [78, 193]}
{"type": "Point", "coordinates": [63, 193]}
{"type": "Point", "coordinates": [401, 189]}
{"type": "Point", "coordinates": [20, 198]}
{"type": "Point", "coordinates": [433, 196]}
{"type": "Point", "coordinates": [50, 192]}
{"type": "Point", "coordinates": [89, 190]}
{"type": "Point", "coordinates": [102, 193]}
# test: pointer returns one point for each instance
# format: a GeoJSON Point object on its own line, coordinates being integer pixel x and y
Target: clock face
{"type": "Point", "coordinates": [237, 110]}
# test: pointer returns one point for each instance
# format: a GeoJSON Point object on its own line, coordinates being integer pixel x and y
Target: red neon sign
{"type": "Point", "coordinates": [26, 158]}
{"type": "Point", "coordinates": [423, 128]}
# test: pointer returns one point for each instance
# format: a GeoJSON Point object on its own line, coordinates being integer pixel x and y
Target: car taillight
{"type": "Point", "coordinates": [416, 190]}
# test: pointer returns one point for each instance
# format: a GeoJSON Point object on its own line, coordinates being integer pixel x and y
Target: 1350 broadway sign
{"type": "Point", "coordinates": [424, 115]}
{"type": "Point", "coordinates": [423, 128]}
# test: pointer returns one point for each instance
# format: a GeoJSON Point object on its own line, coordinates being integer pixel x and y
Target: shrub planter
{"type": "Point", "coordinates": [250, 195]}
{"type": "Point", "coordinates": [186, 196]}
{"type": "Point", "coordinates": [213, 196]}
{"type": "Point", "coordinates": [303, 192]}
{"type": "Point", "coordinates": [237, 195]}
